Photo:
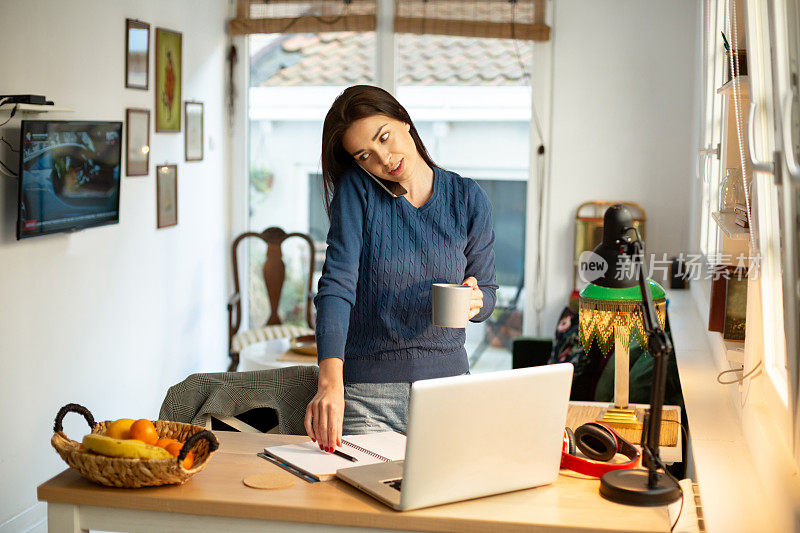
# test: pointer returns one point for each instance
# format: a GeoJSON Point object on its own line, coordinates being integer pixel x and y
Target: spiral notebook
{"type": "Point", "coordinates": [366, 449]}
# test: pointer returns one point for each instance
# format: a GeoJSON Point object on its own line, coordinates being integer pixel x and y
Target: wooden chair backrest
{"type": "Point", "coordinates": [275, 269]}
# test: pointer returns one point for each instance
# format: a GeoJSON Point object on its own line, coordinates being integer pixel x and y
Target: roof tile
{"type": "Point", "coordinates": [343, 58]}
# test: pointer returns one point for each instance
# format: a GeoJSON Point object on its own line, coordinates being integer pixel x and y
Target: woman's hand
{"type": "Point", "coordinates": [476, 303]}
{"type": "Point", "coordinates": [325, 411]}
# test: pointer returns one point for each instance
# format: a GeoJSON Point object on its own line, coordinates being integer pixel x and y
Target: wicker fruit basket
{"type": "Point", "coordinates": [134, 473]}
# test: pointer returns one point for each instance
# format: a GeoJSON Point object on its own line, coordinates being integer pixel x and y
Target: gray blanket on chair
{"type": "Point", "coordinates": [287, 390]}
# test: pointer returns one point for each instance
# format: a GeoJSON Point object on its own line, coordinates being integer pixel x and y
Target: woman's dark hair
{"type": "Point", "coordinates": [355, 103]}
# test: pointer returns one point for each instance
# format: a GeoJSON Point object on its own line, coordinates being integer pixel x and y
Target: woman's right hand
{"type": "Point", "coordinates": [325, 411]}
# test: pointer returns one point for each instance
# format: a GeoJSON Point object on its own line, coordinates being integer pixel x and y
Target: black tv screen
{"type": "Point", "coordinates": [69, 176]}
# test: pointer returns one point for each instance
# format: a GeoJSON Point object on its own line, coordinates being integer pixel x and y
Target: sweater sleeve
{"type": "Point", "coordinates": [480, 249]}
{"type": "Point", "coordinates": [337, 287]}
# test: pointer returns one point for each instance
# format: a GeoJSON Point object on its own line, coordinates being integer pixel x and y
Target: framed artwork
{"type": "Point", "coordinates": [137, 54]}
{"type": "Point", "coordinates": [735, 308]}
{"type": "Point", "coordinates": [167, 199]}
{"type": "Point", "coordinates": [728, 302]}
{"type": "Point", "coordinates": [193, 140]}
{"type": "Point", "coordinates": [137, 142]}
{"type": "Point", "coordinates": [168, 80]}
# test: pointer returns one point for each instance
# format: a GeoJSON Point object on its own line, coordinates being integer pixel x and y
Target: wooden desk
{"type": "Point", "coordinates": [217, 500]}
{"type": "Point", "coordinates": [671, 439]}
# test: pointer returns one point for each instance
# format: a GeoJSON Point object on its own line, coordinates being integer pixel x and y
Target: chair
{"type": "Point", "coordinates": [530, 351]}
{"type": "Point", "coordinates": [231, 396]}
{"type": "Point", "coordinates": [274, 275]}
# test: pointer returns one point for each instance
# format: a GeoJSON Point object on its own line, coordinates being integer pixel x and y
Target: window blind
{"type": "Point", "coordinates": [502, 19]}
{"type": "Point", "coordinates": [311, 16]}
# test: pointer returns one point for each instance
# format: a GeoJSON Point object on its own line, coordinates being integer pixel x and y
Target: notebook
{"type": "Point", "coordinates": [366, 449]}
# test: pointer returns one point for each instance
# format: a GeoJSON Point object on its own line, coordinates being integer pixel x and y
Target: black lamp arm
{"type": "Point", "coordinates": [659, 346]}
{"type": "Point", "coordinates": [635, 250]}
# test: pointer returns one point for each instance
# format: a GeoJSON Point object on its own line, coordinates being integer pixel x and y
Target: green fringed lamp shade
{"type": "Point", "coordinates": [605, 309]}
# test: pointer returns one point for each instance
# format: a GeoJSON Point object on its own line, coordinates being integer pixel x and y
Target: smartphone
{"type": "Point", "coordinates": [392, 187]}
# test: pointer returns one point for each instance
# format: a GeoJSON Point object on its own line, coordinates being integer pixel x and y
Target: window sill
{"type": "Point", "coordinates": [732, 478]}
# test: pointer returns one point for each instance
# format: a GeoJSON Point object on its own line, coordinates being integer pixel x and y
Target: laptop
{"type": "Point", "coordinates": [472, 436]}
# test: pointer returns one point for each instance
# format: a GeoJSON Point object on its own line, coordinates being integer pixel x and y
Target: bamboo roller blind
{"type": "Point", "coordinates": [504, 19]}
{"type": "Point", "coordinates": [501, 19]}
{"type": "Point", "coordinates": [311, 16]}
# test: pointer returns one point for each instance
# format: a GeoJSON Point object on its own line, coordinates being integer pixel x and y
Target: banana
{"type": "Point", "coordinates": [123, 448]}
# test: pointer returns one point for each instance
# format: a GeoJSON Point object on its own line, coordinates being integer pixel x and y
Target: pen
{"type": "Point", "coordinates": [342, 454]}
{"type": "Point", "coordinates": [725, 42]}
{"type": "Point", "coordinates": [289, 468]}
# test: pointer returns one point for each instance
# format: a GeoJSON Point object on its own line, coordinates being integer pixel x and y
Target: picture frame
{"type": "Point", "coordinates": [166, 195]}
{"type": "Point", "coordinates": [137, 54]}
{"type": "Point", "coordinates": [137, 142]}
{"type": "Point", "coordinates": [169, 70]}
{"type": "Point", "coordinates": [729, 303]}
{"type": "Point", "coordinates": [735, 308]}
{"type": "Point", "coordinates": [193, 139]}
{"type": "Point", "coordinates": [716, 311]}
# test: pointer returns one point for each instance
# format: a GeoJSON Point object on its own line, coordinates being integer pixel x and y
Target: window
{"type": "Point", "coordinates": [509, 224]}
{"type": "Point", "coordinates": [766, 234]}
{"type": "Point", "coordinates": [293, 79]}
{"type": "Point", "coordinates": [473, 120]}
{"type": "Point", "coordinates": [787, 80]}
{"type": "Point", "coordinates": [739, 132]}
{"type": "Point", "coordinates": [711, 130]}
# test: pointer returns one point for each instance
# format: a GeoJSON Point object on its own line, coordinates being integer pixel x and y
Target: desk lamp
{"type": "Point", "coordinates": [610, 307]}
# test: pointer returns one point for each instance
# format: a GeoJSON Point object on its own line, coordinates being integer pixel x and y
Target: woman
{"type": "Point", "coordinates": [399, 224]}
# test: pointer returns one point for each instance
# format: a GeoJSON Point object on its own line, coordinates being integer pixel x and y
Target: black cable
{"type": "Point", "coordinates": [13, 112]}
{"type": "Point", "coordinates": [3, 139]}
{"type": "Point", "coordinates": [668, 473]}
{"type": "Point", "coordinates": [674, 479]}
{"type": "Point", "coordinates": [685, 431]}
{"type": "Point", "coordinates": [8, 169]}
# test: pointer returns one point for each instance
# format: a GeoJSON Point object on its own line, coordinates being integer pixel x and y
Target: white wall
{"type": "Point", "coordinates": [107, 317]}
{"type": "Point", "coordinates": [625, 108]}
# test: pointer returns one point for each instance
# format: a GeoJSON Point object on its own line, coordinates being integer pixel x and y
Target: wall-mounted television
{"type": "Point", "coordinates": [69, 176]}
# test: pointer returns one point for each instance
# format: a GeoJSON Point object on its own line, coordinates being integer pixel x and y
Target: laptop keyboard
{"type": "Point", "coordinates": [395, 483]}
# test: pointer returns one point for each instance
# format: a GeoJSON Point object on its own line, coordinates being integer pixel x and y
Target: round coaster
{"type": "Point", "coordinates": [273, 480]}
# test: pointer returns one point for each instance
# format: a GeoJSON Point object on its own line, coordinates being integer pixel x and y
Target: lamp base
{"type": "Point", "coordinates": [631, 487]}
{"type": "Point", "coordinates": [620, 418]}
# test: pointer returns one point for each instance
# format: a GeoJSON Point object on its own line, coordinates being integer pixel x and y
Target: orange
{"type": "Point", "coordinates": [144, 430]}
{"type": "Point", "coordinates": [189, 461]}
{"type": "Point", "coordinates": [164, 441]}
{"type": "Point", "coordinates": [175, 448]}
{"type": "Point", "coordinates": [119, 429]}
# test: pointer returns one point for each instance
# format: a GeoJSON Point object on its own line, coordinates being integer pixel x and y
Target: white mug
{"type": "Point", "coordinates": [451, 305]}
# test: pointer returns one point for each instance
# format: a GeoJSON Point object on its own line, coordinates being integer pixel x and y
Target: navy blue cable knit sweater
{"type": "Point", "coordinates": [374, 298]}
